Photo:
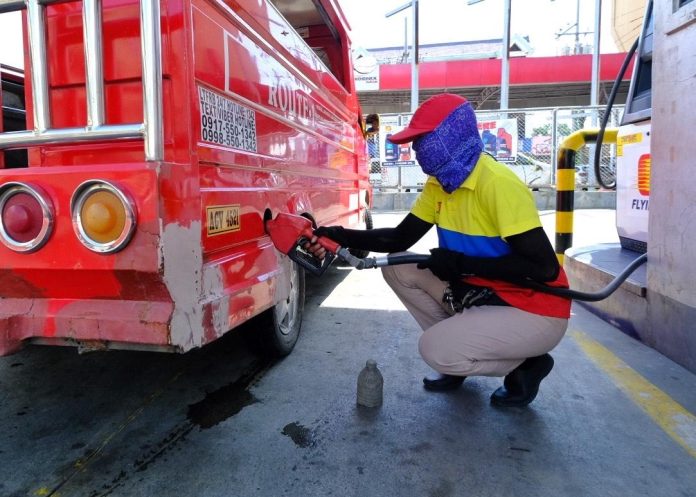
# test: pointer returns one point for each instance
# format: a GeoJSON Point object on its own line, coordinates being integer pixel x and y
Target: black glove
{"type": "Point", "coordinates": [335, 233]}
{"type": "Point", "coordinates": [443, 263]}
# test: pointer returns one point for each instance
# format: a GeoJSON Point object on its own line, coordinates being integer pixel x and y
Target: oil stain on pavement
{"type": "Point", "coordinates": [301, 435]}
{"type": "Point", "coordinates": [227, 401]}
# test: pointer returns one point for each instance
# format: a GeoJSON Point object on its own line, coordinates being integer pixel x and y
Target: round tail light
{"type": "Point", "coordinates": [103, 216]}
{"type": "Point", "coordinates": [26, 217]}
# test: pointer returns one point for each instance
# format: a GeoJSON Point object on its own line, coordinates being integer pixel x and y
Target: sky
{"type": "Point", "coordinates": [440, 21]}
{"type": "Point", "coordinates": [11, 39]}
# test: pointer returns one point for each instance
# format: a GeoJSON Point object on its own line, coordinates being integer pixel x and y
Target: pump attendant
{"type": "Point", "coordinates": [478, 318]}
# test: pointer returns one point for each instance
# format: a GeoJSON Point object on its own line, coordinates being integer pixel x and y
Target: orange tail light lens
{"type": "Point", "coordinates": [644, 174]}
{"type": "Point", "coordinates": [26, 217]}
{"type": "Point", "coordinates": [103, 216]}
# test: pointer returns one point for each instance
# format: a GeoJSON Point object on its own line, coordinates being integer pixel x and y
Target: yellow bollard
{"type": "Point", "coordinates": [565, 183]}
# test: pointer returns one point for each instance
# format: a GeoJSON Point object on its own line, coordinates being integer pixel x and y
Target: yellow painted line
{"type": "Point", "coordinates": [672, 417]}
{"type": "Point", "coordinates": [80, 465]}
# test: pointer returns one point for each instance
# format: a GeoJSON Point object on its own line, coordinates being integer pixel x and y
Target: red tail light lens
{"type": "Point", "coordinates": [103, 216]}
{"type": "Point", "coordinates": [26, 217]}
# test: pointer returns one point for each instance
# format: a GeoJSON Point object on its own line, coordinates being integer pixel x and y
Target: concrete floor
{"type": "Point", "coordinates": [614, 418]}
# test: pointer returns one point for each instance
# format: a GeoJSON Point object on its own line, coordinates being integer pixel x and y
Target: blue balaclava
{"type": "Point", "coordinates": [451, 150]}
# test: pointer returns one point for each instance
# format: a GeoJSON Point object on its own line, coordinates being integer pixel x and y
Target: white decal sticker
{"type": "Point", "coordinates": [226, 123]}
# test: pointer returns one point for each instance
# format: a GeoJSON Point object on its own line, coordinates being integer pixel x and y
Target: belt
{"type": "Point", "coordinates": [460, 296]}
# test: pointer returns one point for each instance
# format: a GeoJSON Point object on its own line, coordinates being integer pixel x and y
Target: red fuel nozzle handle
{"type": "Point", "coordinates": [290, 232]}
{"type": "Point", "coordinates": [287, 230]}
{"type": "Point", "coordinates": [325, 242]}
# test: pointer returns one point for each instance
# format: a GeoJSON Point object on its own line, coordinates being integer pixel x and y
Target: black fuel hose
{"type": "Point", "coordinates": [605, 117]}
{"type": "Point", "coordinates": [589, 297]}
{"type": "Point", "coordinates": [393, 260]}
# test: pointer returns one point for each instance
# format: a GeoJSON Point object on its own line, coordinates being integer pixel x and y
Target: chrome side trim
{"type": "Point", "coordinates": [94, 61]}
{"type": "Point", "coordinates": [151, 47]}
{"type": "Point", "coordinates": [70, 135]}
{"type": "Point", "coordinates": [36, 20]}
{"type": "Point", "coordinates": [151, 130]}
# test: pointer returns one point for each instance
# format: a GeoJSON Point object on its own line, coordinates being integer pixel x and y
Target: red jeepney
{"type": "Point", "coordinates": [160, 136]}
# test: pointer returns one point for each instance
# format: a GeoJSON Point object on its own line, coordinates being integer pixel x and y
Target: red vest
{"type": "Point", "coordinates": [527, 299]}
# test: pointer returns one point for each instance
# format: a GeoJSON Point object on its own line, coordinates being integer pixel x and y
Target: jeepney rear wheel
{"type": "Point", "coordinates": [276, 330]}
{"type": "Point", "coordinates": [361, 254]}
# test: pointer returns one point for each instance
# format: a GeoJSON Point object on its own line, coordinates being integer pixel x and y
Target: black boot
{"type": "Point", "coordinates": [521, 385]}
{"type": "Point", "coordinates": [443, 383]}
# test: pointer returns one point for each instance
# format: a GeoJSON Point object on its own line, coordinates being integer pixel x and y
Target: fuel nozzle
{"type": "Point", "coordinates": [290, 232]}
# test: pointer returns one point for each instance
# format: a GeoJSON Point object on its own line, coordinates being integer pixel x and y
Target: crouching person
{"type": "Point", "coordinates": [478, 317]}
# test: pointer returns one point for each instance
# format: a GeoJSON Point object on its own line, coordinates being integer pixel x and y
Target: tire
{"type": "Point", "coordinates": [274, 333]}
{"type": "Point", "coordinates": [368, 225]}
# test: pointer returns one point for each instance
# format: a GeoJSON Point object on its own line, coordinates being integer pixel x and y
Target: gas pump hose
{"type": "Point", "coordinates": [605, 117]}
{"type": "Point", "coordinates": [392, 260]}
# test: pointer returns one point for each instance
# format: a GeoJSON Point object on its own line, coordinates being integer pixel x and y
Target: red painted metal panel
{"type": "Point", "coordinates": [178, 283]}
{"type": "Point", "coordinates": [523, 71]}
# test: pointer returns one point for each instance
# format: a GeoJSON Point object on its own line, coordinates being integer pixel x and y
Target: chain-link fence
{"type": "Point", "coordinates": [527, 140]}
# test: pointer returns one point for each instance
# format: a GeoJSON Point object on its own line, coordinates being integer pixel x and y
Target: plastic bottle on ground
{"type": "Point", "coordinates": [370, 385]}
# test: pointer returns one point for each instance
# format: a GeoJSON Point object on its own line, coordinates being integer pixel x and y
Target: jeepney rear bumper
{"type": "Point", "coordinates": [87, 324]}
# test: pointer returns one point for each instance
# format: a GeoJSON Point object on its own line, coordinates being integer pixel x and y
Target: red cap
{"type": "Point", "coordinates": [428, 116]}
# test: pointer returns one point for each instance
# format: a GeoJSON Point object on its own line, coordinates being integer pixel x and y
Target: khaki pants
{"type": "Point", "coordinates": [480, 341]}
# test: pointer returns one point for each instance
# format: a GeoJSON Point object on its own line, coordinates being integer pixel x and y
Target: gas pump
{"type": "Point", "coordinates": [633, 147]}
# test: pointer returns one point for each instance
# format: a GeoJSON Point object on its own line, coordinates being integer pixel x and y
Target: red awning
{"type": "Point", "coordinates": [486, 72]}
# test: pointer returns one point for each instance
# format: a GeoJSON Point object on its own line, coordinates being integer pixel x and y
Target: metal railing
{"type": "Point", "coordinates": [150, 130]}
{"type": "Point", "coordinates": [538, 134]}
